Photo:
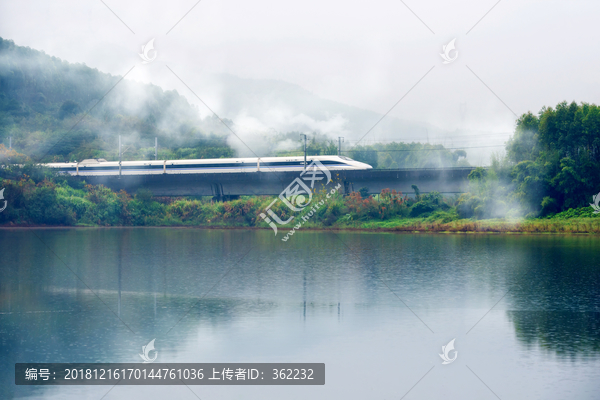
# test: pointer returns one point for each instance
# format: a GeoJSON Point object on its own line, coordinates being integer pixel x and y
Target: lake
{"type": "Point", "coordinates": [376, 308]}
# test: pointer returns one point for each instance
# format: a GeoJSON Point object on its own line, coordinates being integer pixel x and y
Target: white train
{"type": "Point", "coordinates": [218, 165]}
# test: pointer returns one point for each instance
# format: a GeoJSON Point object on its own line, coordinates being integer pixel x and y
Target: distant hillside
{"type": "Point", "coordinates": [58, 111]}
{"type": "Point", "coordinates": [43, 101]}
{"type": "Point", "coordinates": [259, 97]}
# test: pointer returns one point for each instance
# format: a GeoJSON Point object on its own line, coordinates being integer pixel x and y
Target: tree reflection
{"type": "Point", "coordinates": [568, 334]}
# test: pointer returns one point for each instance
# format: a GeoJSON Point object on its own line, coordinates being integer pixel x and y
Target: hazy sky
{"type": "Point", "coordinates": [530, 53]}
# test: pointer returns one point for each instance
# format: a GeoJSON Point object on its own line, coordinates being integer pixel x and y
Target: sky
{"type": "Point", "coordinates": [511, 56]}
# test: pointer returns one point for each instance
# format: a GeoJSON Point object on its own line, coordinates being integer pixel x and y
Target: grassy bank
{"type": "Point", "coordinates": [575, 225]}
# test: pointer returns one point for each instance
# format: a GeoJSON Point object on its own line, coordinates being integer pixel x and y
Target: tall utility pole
{"type": "Point", "coordinates": [156, 148]}
{"type": "Point", "coordinates": [340, 140]}
{"type": "Point", "coordinates": [302, 134]}
{"type": "Point", "coordinates": [120, 156]}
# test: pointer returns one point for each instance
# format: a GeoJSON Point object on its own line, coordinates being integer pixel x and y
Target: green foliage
{"type": "Point", "coordinates": [366, 154]}
{"type": "Point", "coordinates": [489, 196]}
{"type": "Point", "coordinates": [549, 206]}
{"type": "Point", "coordinates": [443, 217]}
{"type": "Point", "coordinates": [42, 99]}
{"type": "Point", "coordinates": [408, 155]}
{"type": "Point", "coordinates": [144, 196]}
{"type": "Point", "coordinates": [413, 155]}
{"type": "Point", "coordinates": [582, 212]}
{"type": "Point", "coordinates": [364, 192]}
{"type": "Point", "coordinates": [417, 191]}
{"type": "Point", "coordinates": [522, 146]}
{"type": "Point", "coordinates": [145, 212]}
{"type": "Point", "coordinates": [478, 174]}
{"type": "Point", "coordinates": [44, 208]}
{"type": "Point", "coordinates": [334, 211]}
{"type": "Point", "coordinates": [428, 203]}
{"type": "Point", "coordinates": [551, 165]}
{"type": "Point", "coordinates": [321, 148]}
{"type": "Point", "coordinates": [68, 108]}
{"type": "Point", "coordinates": [11, 156]}
{"type": "Point", "coordinates": [108, 207]}
{"type": "Point", "coordinates": [556, 158]}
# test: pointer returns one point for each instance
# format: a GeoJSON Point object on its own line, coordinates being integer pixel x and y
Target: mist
{"type": "Point", "coordinates": [272, 67]}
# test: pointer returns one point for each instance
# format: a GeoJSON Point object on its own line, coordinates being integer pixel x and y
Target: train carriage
{"type": "Point", "coordinates": [101, 167]}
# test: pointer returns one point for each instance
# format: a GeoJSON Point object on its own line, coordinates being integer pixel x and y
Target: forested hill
{"type": "Point", "coordinates": [43, 100]}
{"type": "Point", "coordinates": [58, 111]}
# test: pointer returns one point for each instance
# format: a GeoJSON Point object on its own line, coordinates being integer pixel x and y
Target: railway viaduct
{"type": "Point", "coordinates": [231, 185]}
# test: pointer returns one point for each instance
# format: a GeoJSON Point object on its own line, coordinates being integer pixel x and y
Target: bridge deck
{"type": "Point", "coordinates": [447, 180]}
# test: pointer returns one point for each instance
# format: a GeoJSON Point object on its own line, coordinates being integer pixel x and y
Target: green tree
{"type": "Point", "coordinates": [68, 108]}
{"type": "Point", "coordinates": [365, 154]}
{"type": "Point", "coordinates": [556, 157]}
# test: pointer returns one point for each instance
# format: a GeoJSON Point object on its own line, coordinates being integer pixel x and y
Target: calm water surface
{"type": "Point", "coordinates": [375, 308]}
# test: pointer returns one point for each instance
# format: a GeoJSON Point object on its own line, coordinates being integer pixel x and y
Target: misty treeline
{"type": "Point", "coordinates": [409, 155]}
{"type": "Point", "coordinates": [55, 111]}
{"type": "Point", "coordinates": [552, 164]}
{"type": "Point", "coordinates": [379, 155]}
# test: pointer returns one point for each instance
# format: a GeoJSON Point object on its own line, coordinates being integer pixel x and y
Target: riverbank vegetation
{"type": "Point", "coordinates": [40, 197]}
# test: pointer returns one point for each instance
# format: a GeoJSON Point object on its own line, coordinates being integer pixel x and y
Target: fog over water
{"type": "Point", "coordinates": [248, 61]}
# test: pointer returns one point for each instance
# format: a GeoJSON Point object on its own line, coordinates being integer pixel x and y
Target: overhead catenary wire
{"type": "Point", "coordinates": [423, 149]}
{"type": "Point", "coordinates": [440, 139]}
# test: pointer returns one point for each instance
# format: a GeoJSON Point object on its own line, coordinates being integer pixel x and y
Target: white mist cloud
{"type": "Point", "coordinates": [526, 54]}
{"type": "Point", "coordinates": [253, 131]}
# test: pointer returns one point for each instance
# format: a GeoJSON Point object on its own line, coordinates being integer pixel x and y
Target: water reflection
{"type": "Point", "coordinates": [310, 297]}
{"type": "Point", "coordinates": [566, 334]}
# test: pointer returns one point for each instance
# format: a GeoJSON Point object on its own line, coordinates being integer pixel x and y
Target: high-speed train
{"type": "Point", "coordinates": [218, 165]}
